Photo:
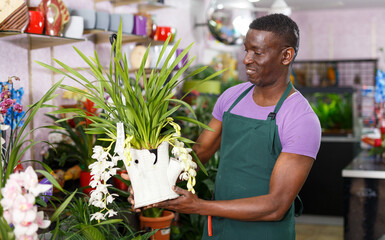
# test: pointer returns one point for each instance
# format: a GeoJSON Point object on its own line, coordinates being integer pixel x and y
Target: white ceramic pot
{"type": "Point", "coordinates": [152, 174]}
{"type": "Point", "coordinates": [74, 28]}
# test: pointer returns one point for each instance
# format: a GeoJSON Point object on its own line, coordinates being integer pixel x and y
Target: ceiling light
{"type": "Point", "coordinates": [254, 1]}
{"type": "Point", "coordinates": [280, 6]}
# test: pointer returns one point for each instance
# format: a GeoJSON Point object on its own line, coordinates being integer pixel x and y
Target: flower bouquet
{"type": "Point", "coordinates": [140, 123]}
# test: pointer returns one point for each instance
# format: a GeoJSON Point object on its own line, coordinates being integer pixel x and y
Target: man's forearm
{"type": "Point", "coordinates": [262, 208]}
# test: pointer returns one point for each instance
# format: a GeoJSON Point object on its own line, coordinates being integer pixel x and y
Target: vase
{"type": "Point", "coordinates": [140, 25]}
{"type": "Point", "coordinates": [36, 22]}
{"type": "Point", "coordinates": [56, 15]}
{"type": "Point", "coordinates": [14, 16]}
{"type": "Point", "coordinates": [74, 28]}
{"type": "Point", "coordinates": [88, 15]}
{"type": "Point", "coordinates": [85, 179]}
{"type": "Point", "coordinates": [162, 223]}
{"type": "Point", "coordinates": [152, 174]}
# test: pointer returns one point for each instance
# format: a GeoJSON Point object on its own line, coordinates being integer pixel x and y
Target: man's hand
{"type": "Point", "coordinates": [186, 203]}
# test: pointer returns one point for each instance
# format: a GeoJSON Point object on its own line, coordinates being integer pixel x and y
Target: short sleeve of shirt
{"type": "Point", "coordinates": [302, 135]}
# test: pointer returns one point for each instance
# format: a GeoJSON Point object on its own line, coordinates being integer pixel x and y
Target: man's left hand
{"type": "Point", "coordinates": [187, 202]}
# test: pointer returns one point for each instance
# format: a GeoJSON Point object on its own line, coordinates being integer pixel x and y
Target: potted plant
{"type": "Point", "coordinates": [136, 119]}
{"type": "Point", "coordinates": [157, 219]}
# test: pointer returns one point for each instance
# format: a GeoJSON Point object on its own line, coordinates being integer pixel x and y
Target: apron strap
{"type": "Point", "coordinates": [280, 102]}
{"type": "Point", "coordinates": [273, 114]}
{"type": "Point", "coordinates": [240, 97]}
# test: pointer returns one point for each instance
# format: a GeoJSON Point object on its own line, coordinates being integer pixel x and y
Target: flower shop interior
{"type": "Point", "coordinates": [44, 128]}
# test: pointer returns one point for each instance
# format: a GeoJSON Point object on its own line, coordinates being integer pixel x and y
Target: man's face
{"type": "Point", "coordinates": [263, 57]}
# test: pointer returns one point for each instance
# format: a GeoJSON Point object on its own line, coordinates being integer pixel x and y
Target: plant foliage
{"type": "Point", "coordinates": [145, 114]}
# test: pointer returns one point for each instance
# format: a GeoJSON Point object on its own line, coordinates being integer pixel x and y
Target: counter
{"type": "Point", "coordinates": [365, 166]}
{"type": "Point", "coordinates": [364, 198]}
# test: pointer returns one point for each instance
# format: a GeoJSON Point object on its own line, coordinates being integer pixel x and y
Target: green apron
{"type": "Point", "coordinates": [249, 150]}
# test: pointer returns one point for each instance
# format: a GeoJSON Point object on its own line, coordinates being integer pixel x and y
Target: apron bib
{"type": "Point", "coordinates": [249, 150]}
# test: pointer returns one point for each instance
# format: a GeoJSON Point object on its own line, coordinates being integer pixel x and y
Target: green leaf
{"type": "Point", "coordinates": [50, 178]}
{"type": "Point", "coordinates": [91, 233]}
{"type": "Point", "coordinates": [41, 202]}
{"type": "Point", "coordinates": [62, 207]}
{"type": "Point", "coordinates": [110, 221]}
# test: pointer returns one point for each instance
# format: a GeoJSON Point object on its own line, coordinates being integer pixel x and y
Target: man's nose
{"type": "Point", "coordinates": [248, 58]}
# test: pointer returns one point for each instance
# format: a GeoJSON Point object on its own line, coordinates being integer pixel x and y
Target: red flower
{"type": "Point", "coordinates": [89, 109]}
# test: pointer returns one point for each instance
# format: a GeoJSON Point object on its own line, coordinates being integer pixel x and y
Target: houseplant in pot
{"type": "Point", "coordinates": [136, 119]}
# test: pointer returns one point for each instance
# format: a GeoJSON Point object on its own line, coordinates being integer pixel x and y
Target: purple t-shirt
{"type": "Point", "coordinates": [298, 126]}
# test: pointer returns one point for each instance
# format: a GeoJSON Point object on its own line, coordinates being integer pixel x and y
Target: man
{"type": "Point", "coordinates": [268, 136]}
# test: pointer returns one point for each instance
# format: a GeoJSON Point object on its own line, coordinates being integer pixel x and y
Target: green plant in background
{"type": "Point", "coordinates": [335, 111]}
{"type": "Point", "coordinates": [77, 223]}
{"type": "Point", "coordinates": [76, 146]}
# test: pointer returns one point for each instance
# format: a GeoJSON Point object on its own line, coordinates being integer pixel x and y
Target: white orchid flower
{"type": "Point", "coordinates": [98, 216]}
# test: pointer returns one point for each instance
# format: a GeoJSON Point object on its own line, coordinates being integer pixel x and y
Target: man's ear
{"type": "Point", "coordinates": [288, 55]}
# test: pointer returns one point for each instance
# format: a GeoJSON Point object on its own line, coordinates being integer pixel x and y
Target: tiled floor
{"type": "Point", "coordinates": [319, 228]}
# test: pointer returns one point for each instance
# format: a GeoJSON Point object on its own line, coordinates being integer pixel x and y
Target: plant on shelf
{"type": "Point", "coordinates": [139, 123]}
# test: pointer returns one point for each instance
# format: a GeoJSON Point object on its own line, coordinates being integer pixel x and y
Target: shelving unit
{"type": "Point", "coordinates": [143, 5]}
{"type": "Point", "coordinates": [38, 41]}
{"type": "Point", "coordinates": [346, 72]}
{"type": "Point", "coordinates": [102, 36]}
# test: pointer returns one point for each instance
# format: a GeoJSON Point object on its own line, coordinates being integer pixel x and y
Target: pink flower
{"type": "Point", "coordinates": [6, 103]}
{"type": "Point", "coordinates": [31, 183]}
{"type": "Point", "coordinates": [18, 107]}
{"type": "Point", "coordinates": [5, 94]}
{"type": "Point", "coordinates": [18, 203]}
{"type": "Point", "coordinates": [40, 220]}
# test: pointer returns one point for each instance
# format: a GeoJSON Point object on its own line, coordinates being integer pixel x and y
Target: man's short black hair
{"type": "Point", "coordinates": [281, 25]}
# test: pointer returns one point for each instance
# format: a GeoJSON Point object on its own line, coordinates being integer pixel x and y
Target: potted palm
{"type": "Point", "coordinates": [139, 121]}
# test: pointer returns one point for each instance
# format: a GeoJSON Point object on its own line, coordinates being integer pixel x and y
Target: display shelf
{"type": "Point", "coordinates": [102, 36]}
{"type": "Point", "coordinates": [38, 41]}
{"type": "Point", "coordinates": [143, 5]}
{"type": "Point", "coordinates": [147, 7]}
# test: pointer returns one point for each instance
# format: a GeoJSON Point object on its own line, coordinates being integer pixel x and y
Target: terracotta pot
{"type": "Point", "coordinates": [85, 179]}
{"type": "Point", "coordinates": [36, 22]}
{"type": "Point", "coordinates": [119, 184]}
{"type": "Point", "coordinates": [162, 223]}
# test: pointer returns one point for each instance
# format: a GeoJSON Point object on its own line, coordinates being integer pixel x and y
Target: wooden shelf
{"type": "Point", "coordinates": [38, 41]}
{"type": "Point", "coordinates": [143, 5]}
{"type": "Point", "coordinates": [102, 36]}
{"type": "Point", "coordinates": [147, 7]}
